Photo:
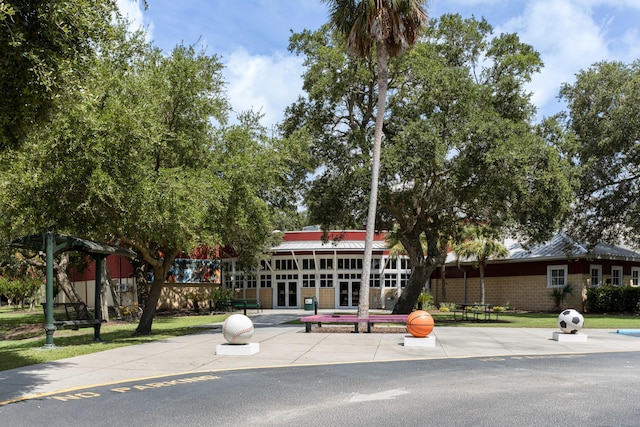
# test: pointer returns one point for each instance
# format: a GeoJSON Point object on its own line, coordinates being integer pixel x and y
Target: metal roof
{"type": "Point", "coordinates": [560, 246]}
{"type": "Point", "coordinates": [70, 243]}
{"type": "Point", "coordinates": [330, 246]}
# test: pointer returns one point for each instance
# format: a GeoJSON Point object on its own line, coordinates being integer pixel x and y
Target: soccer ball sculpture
{"type": "Point", "coordinates": [570, 321]}
{"type": "Point", "coordinates": [419, 324]}
{"type": "Point", "coordinates": [237, 329]}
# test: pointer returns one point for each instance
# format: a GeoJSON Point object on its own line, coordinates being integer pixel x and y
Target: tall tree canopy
{"type": "Point", "coordinates": [460, 147]}
{"type": "Point", "coordinates": [389, 26]}
{"type": "Point", "coordinates": [46, 46]}
{"type": "Point", "coordinates": [142, 156]}
{"type": "Point", "coordinates": [603, 125]}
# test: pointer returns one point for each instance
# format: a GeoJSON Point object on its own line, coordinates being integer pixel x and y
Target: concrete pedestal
{"type": "Point", "coordinates": [561, 336]}
{"type": "Point", "coordinates": [411, 341]}
{"type": "Point", "coordinates": [237, 349]}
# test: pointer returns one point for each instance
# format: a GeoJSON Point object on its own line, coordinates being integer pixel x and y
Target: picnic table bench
{"type": "Point", "coordinates": [72, 315]}
{"type": "Point", "coordinates": [352, 318]}
{"type": "Point", "coordinates": [237, 304]}
{"type": "Point", "coordinates": [475, 312]}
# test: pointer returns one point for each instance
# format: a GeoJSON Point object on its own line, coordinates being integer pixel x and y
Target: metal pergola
{"type": "Point", "coordinates": [52, 243]}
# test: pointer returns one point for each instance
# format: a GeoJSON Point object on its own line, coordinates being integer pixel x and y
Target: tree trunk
{"type": "Point", "coordinates": [363, 301]}
{"type": "Point", "coordinates": [149, 311]}
{"type": "Point", "coordinates": [409, 296]}
{"type": "Point", "coordinates": [60, 269]}
{"type": "Point", "coordinates": [106, 286]}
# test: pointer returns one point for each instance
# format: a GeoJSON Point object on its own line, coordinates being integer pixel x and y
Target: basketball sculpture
{"type": "Point", "coordinates": [420, 324]}
{"type": "Point", "coordinates": [237, 329]}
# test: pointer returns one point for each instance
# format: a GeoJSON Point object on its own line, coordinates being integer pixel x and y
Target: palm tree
{"type": "Point", "coordinates": [391, 27]}
{"type": "Point", "coordinates": [480, 246]}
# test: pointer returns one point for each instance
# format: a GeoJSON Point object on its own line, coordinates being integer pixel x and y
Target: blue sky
{"type": "Point", "coordinates": [251, 38]}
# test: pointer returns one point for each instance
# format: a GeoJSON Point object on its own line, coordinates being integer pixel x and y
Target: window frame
{"type": "Point", "coordinates": [598, 268]}
{"type": "Point", "coordinates": [550, 278]}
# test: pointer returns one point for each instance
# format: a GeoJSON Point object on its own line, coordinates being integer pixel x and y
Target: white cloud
{"type": "Point", "coordinates": [132, 10]}
{"type": "Point", "coordinates": [568, 39]}
{"type": "Point", "coordinates": [263, 83]}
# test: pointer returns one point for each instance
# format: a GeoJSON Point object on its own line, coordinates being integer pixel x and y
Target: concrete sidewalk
{"type": "Point", "coordinates": [288, 345]}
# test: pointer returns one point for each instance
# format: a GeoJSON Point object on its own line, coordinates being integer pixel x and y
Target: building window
{"type": "Point", "coordinates": [265, 280]}
{"type": "Point", "coordinates": [404, 279]}
{"type": "Point", "coordinates": [404, 264]}
{"type": "Point", "coordinates": [616, 276]}
{"type": "Point", "coordinates": [309, 264]}
{"type": "Point", "coordinates": [349, 263]}
{"type": "Point", "coordinates": [308, 280]}
{"type": "Point", "coordinates": [285, 264]}
{"type": "Point", "coordinates": [596, 275]}
{"type": "Point", "coordinates": [556, 276]}
{"type": "Point", "coordinates": [326, 264]}
{"type": "Point", "coordinates": [326, 280]}
{"type": "Point", "coordinates": [635, 276]}
{"type": "Point", "coordinates": [392, 264]}
{"type": "Point", "coordinates": [251, 281]}
{"type": "Point", "coordinates": [374, 281]}
{"type": "Point", "coordinates": [265, 265]}
{"type": "Point", "coordinates": [390, 280]}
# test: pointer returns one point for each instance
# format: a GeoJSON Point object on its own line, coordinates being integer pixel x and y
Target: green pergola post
{"type": "Point", "coordinates": [49, 327]}
{"type": "Point", "coordinates": [51, 243]}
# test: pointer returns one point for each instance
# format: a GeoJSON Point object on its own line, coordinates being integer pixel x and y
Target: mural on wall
{"type": "Point", "coordinates": [188, 270]}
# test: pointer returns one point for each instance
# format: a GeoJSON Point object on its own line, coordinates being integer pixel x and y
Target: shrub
{"type": "Point", "coordinates": [559, 295]}
{"type": "Point", "coordinates": [613, 299]}
{"type": "Point", "coordinates": [446, 307]}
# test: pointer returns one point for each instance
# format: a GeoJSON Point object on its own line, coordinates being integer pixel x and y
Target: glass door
{"type": "Point", "coordinates": [349, 293]}
{"type": "Point", "coordinates": [287, 294]}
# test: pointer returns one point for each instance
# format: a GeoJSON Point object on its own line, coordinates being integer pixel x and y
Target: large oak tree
{"type": "Point", "coordinates": [602, 137]}
{"type": "Point", "coordinates": [460, 146]}
{"type": "Point", "coordinates": [46, 48]}
{"type": "Point", "coordinates": [143, 157]}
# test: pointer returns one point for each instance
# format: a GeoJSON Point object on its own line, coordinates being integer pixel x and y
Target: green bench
{"type": "Point", "coordinates": [238, 304]}
{"type": "Point", "coordinates": [72, 315]}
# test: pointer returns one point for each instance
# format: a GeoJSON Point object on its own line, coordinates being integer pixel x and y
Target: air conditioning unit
{"type": "Point", "coordinates": [122, 287]}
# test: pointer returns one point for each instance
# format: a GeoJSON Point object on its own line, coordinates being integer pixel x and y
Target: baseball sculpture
{"type": "Point", "coordinates": [237, 329]}
{"type": "Point", "coordinates": [420, 324]}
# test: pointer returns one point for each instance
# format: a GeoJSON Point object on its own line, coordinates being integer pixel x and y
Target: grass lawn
{"type": "Point", "coordinates": [22, 336]}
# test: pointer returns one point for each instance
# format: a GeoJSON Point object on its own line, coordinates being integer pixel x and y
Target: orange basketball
{"type": "Point", "coordinates": [419, 324]}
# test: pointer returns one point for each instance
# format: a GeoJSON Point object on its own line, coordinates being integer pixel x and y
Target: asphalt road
{"type": "Point", "coordinates": [563, 390]}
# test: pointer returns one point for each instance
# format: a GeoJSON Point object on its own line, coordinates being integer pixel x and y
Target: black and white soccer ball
{"type": "Point", "coordinates": [570, 321]}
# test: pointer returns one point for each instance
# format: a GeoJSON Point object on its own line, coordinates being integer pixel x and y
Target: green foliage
{"type": "Point", "coordinates": [560, 294]}
{"type": "Point", "coordinates": [426, 300]}
{"type": "Point", "coordinates": [613, 299]}
{"type": "Point", "coordinates": [20, 290]}
{"type": "Point", "coordinates": [458, 140]}
{"type": "Point", "coordinates": [603, 121]}
{"type": "Point", "coordinates": [220, 294]}
{"type": "Point", "coordinates": [46, 48]}
{"type": "Point", "coordinates": [446, 307]}
{"type": "Point", "coordinates": [142, 156]}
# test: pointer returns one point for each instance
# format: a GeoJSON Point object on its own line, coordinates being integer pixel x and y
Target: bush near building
{"type": "Point", "coordinates": [613, 299]}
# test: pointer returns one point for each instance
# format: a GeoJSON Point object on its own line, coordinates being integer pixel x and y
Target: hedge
{"type": "Point", "coordinates": [613, 299]}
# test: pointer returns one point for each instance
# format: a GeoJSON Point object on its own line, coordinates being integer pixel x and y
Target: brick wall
{"type": "Point", "coordinates": [521, 292]}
